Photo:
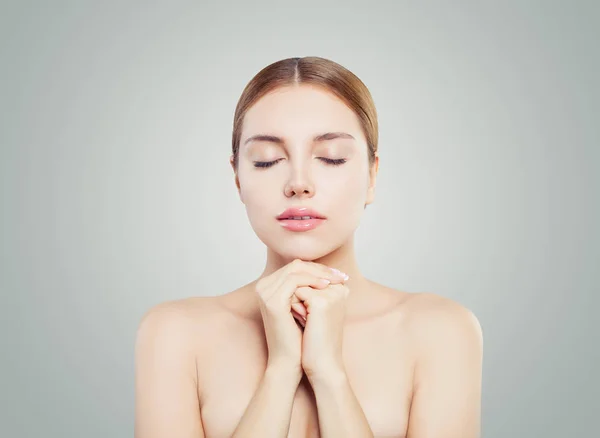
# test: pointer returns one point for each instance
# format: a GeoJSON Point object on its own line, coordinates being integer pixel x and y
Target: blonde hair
{"type": "Point", "coordinates": [315, 71]}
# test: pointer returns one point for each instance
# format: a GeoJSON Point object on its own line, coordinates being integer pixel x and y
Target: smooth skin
{"type": "Point", "coordinates": [292, 351]}
{"type": "Point", "coordinates": [367, 361]}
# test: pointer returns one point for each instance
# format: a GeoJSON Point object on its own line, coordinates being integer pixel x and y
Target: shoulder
{"type": "Point", "coordinates": [185, 320]}
{"type": "Point", "coordinates": [166, 366]}
{"type": "Point", "coordinates": [177, 315]}
{"type": "Point", "coordinates": [445, 332]}
{"type": "Point", "coordinates": [448, 345]}
{"type": "Point", "coordinates": [435, 319]}
{"type": "Point", "coordinates": [173, 325]}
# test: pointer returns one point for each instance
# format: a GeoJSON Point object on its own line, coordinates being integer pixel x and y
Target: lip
{"type": "Point", "coordinates": [300, 224]}
{"type": "Point", "coordinates": [300, 211]}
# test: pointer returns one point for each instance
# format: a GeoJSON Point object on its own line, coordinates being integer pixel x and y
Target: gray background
{"type": "Point", "coordinates": [116, 191]}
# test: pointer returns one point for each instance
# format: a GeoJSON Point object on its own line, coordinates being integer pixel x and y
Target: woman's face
{"type": "Point", "coordinates": [300, 174]}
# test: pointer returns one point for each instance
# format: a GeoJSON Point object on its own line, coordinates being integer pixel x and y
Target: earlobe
{"type": "Point", "coordinates": [238, 187]}
{"type": "Point", "coordinates": [236, 179]}
{"type": "Point", "coordinates": [370, 193]}
{"type": "Point", "coordinates": [370, 197]}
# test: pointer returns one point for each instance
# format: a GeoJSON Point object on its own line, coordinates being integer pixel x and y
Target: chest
{"type": "Point", "coordinates": [378, 363]}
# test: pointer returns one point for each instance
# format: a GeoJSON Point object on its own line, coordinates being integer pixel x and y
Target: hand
{"type": "Point", "coordinates": [275, 291]}
{"type": "Point", "coordinates": [299, 309]}
{"type": "Point", "coordinates": [324, 330]}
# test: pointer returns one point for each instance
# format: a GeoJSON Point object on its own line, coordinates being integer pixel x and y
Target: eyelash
{"type": "Point", "coordinates": [330, 161]}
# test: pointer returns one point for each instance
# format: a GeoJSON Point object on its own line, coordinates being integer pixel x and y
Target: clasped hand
{"type": "Point", "coordinates": [315, 295]}
{"type": "Point", "coordinates": [321, 312]}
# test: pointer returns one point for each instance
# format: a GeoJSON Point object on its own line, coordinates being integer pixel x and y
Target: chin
{"type": "Point", "coordinates": [308, 250]}
{"type": "Point", "coordinates": [307, 246]}
{"type": "Point", "coordinates": [307, 255]}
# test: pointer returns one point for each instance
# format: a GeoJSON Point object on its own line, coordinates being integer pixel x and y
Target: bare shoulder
{"type": "Point", "coordinates": [441, 327]}
{"type": "Point", "coordinates": [448, 343]}
{"type": "Point", "coordinates": [433, 315]}
{"type": "Point", "coordinates": [184, 323]}
{"type": "Point", "coordinates": [166, 367]}
{"type": "Point", "coordinates": [179, 316]}
{"type": "Point", "coordinates": [432, 320]}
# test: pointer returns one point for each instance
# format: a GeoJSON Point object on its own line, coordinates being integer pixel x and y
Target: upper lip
{"type": "Point", "coordinates": [299, 212]}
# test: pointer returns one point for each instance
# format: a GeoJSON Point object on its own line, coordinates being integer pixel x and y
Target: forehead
{"type": "Point", "coordinates": [300, 111]}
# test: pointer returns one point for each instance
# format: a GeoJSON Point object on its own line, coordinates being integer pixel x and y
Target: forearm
{"type": "Point", "coordinates": [268, 413]}
{"type": "Point", "coordinates": [340, 414]}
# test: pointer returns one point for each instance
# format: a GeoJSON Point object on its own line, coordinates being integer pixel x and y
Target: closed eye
{"type": "Point", "coordinates": [266, 163]}
{"type": "Point", "coordinates": [330, 161]}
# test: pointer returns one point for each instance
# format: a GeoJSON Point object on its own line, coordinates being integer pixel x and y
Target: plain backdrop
{"type": "Point", "coordinates": [116, 192]}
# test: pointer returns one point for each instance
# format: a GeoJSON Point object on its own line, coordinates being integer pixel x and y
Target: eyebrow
{"type": "Point", "coordinates": [318, 138]}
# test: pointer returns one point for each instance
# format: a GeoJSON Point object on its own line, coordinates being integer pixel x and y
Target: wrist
{"type": "Point", "coordinates": [285, 371]}
{"type": "Point", "coordinates": [332, 377]}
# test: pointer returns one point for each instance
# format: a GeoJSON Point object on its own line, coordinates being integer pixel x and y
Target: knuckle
{"type": "Point", "coordinates": [340, 290]}
{"type": "Point", "coordinates": [294, 277]}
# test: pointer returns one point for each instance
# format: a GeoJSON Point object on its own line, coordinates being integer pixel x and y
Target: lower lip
{"type": "Point", "coordinates": [300, 224]}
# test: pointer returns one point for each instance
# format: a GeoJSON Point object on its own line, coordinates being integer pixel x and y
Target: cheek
{"type": "Point", "coordinates": [257, 192]}
{"type": "Point", "coordinates": [346, 188]}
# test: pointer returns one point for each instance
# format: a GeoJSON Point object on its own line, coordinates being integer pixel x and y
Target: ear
{"type": "Point", "coordinates": [237, 180]}
{"type": "Point", "coordinates": [372, 180]}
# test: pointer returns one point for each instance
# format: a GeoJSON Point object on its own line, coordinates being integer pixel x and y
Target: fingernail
{"type": "Point", "coordinates": [325, 281]}
{"type": "Point", "coordinates": [340, 273]}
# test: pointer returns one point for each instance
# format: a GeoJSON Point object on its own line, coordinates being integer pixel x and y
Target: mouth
{"type": "Point", "coordinates": [300, 214]}
{"type": "Point", "coordinates": [300, 219]}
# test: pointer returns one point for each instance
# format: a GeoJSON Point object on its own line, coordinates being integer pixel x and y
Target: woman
{"type": "Point", "coordinates": [310, 348]}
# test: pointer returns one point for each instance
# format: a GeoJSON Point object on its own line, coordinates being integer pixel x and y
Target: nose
{"type": "Point", "coordinates": [299, 185]}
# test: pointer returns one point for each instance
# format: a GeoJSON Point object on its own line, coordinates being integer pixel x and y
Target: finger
{"type": "Point", "coordinates": [296, 265]}
{"type": "Point", "coordinates": [299, 319]}
{"type": "Point", "coordinates": [337, 274]}
{"type": "Point", "coordinates": [318, 269]}
{"type": "Point", "coordinates": [300, 309]}
{"type": "Point", "coordinates": [305, 294]}
{"type": "Point", "coordinates": [332, 293]}
{"type": "Point", "coordinates": [296, 314]}
{"type": "Point", "coordinates": [284, 290]}
{"type": "Point", "coordinates": [338, 288]}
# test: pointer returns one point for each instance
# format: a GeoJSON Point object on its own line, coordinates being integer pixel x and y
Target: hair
{"type": "Point", "coordinates": [316, 71]}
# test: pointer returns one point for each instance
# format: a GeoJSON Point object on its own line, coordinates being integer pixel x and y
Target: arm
{"type": "Point", "coordinates": [340, 414]}
{"type": "Point", "coordinates": [166, 396]}
{"type": "Point", "coordinates": [447, 386]}
{"type": "Point", "coordinates": [269, 412]}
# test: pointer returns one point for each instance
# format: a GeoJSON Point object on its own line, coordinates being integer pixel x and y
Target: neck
{"type": "Point", "coordinates": [342, 258]}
